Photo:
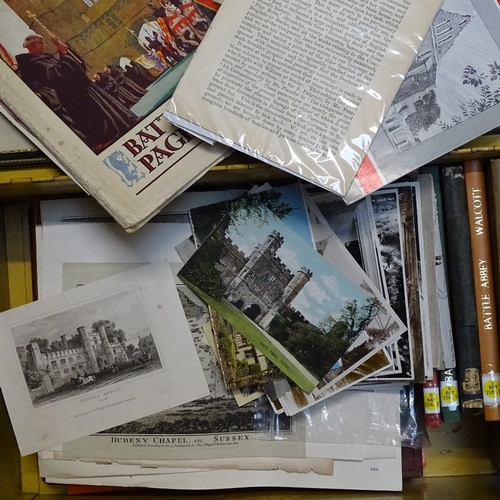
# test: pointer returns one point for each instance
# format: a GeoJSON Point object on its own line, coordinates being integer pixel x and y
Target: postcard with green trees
{"type": "Point", "coordinates": [299, 310]}
{"type": "Point", "coordinates": [243, 366]}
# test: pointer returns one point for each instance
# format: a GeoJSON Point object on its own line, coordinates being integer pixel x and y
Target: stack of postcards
{"type": "Point", "coordinates": [265, 332]}
{"type": "Point", "coordinates": [233, 350]}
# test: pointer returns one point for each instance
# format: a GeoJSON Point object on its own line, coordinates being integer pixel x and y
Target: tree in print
{"type": "Point", "coordinates": [316, 346]}
{"type": "Point", "coordinates": [488, 93]}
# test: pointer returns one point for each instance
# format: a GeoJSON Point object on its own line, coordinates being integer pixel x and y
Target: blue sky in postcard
{"type": "Point", "coordinates": [326, 292]}
{"type": "Point", "coordinates": [297, 220]}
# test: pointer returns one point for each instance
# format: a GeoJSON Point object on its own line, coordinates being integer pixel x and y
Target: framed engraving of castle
{"type": "Point", "coordinates": [97, 356]}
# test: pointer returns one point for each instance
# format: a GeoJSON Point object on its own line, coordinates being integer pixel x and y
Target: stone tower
{"type": "Point", "coordinates": [299, 281]}
{"type": "Point", "coordinates": [41, 366]}
{"type": "Point", "coordinates": [262, 252]}
{"type": "Point", "coordinates": [108, 352]}
{"type": "Point", "coordinates": [265, 286]}
{"type": "Point", "coordinates": [36, 355]}
{"type": "Point", "coordinates": [266, 250]}
{"type": "Point", "coordinates": [88, 349]}
{"type": "Point", "coordinates": [64, 342]}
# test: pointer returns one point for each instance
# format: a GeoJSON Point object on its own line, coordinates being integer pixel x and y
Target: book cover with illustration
{"type": "Point", "coordinates": [88, 81]}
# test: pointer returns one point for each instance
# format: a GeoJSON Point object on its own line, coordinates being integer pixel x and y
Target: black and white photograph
{"type": "Point", "coordinates": [88, 347]}
{"type": "Point", "coordinates": [388, 230]}
{"type": "Point", "coordinates": [355, 226]}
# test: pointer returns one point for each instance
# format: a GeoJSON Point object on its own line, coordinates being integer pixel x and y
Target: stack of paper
{"type": "Point", "coordinates": [241, 331]}
{"type": "Point", "coordinates": [241, 425]}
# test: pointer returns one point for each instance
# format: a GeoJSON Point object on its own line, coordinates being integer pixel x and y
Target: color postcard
{"type": "Point", "coordinates": [243, 366]}
{"type": "Point", "coordinates": [295, 307]}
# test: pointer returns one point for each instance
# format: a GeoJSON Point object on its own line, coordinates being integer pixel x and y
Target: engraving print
{"type": "Point", "coordinates": [448, 82]}
{"type": "Point", "coordinates": [87, 347]}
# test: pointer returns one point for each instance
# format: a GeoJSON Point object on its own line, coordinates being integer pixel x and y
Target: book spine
{"type": "Point", "coordinates": [448, 384]}
{"type": "Point", "coordinates": [462, 299]}
{"type": "Point", "coordinates": [483, 287]}
{"type": "Point", "coordinates": [448, 393]}
{"type": "Point", "coordinates": [493, 187]}
{"type": "Point", "coordinates": [432, 405]}
{"type": "Point", "coordinates": [445, 328]}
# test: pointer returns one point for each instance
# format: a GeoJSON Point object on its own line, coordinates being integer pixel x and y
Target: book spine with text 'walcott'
{"type": "Point", "coordinates": [484, 286]}
{"type": "Point", "coordinates": [462, 298]}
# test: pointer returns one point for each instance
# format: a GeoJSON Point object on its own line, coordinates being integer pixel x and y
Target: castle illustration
{"type": "Point", "coordinates": [56, 368]}
{"type": "Point", "coordinates": [260, 285]}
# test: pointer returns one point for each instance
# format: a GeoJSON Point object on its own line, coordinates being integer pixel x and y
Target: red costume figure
{"type": "Point", "coordinates": [184, 34]}
{"type": "Point", "coordinates": [188, 9]}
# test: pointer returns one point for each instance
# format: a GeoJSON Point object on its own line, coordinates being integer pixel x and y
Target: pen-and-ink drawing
{"type": "Point", "coordinates": [435, 96]}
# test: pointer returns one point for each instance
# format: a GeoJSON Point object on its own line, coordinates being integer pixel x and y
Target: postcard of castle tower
{"type": "Point", "coordinates": [97, 356]}
{"type": "Point", "coordinates": [243, 366]}
{"type": "Point", "coordinates": [365, 357]}
{"type": "Point", "coordinates": [285, 298]}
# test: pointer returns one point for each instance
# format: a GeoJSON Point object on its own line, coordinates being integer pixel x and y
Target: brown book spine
{"type": "Point", "coordinates": [484, 288]}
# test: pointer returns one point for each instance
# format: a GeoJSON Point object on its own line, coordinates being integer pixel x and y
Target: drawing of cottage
{"type": "Point", "coordinates": [415, 108]}
{"type": "Point", "coordinates": [261, 286]}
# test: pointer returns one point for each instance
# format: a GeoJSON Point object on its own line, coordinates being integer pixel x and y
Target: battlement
{"type": "Point", "coordinates": [63, 354]}
{"type": "Point", "coordinates": [308, 273]}
{"type": "Point", "coordinates": [234, 250]}
{"type": "Point", "coordinates": [277, 237]}
{"type": "Point", "coordinates": [291, 311]}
